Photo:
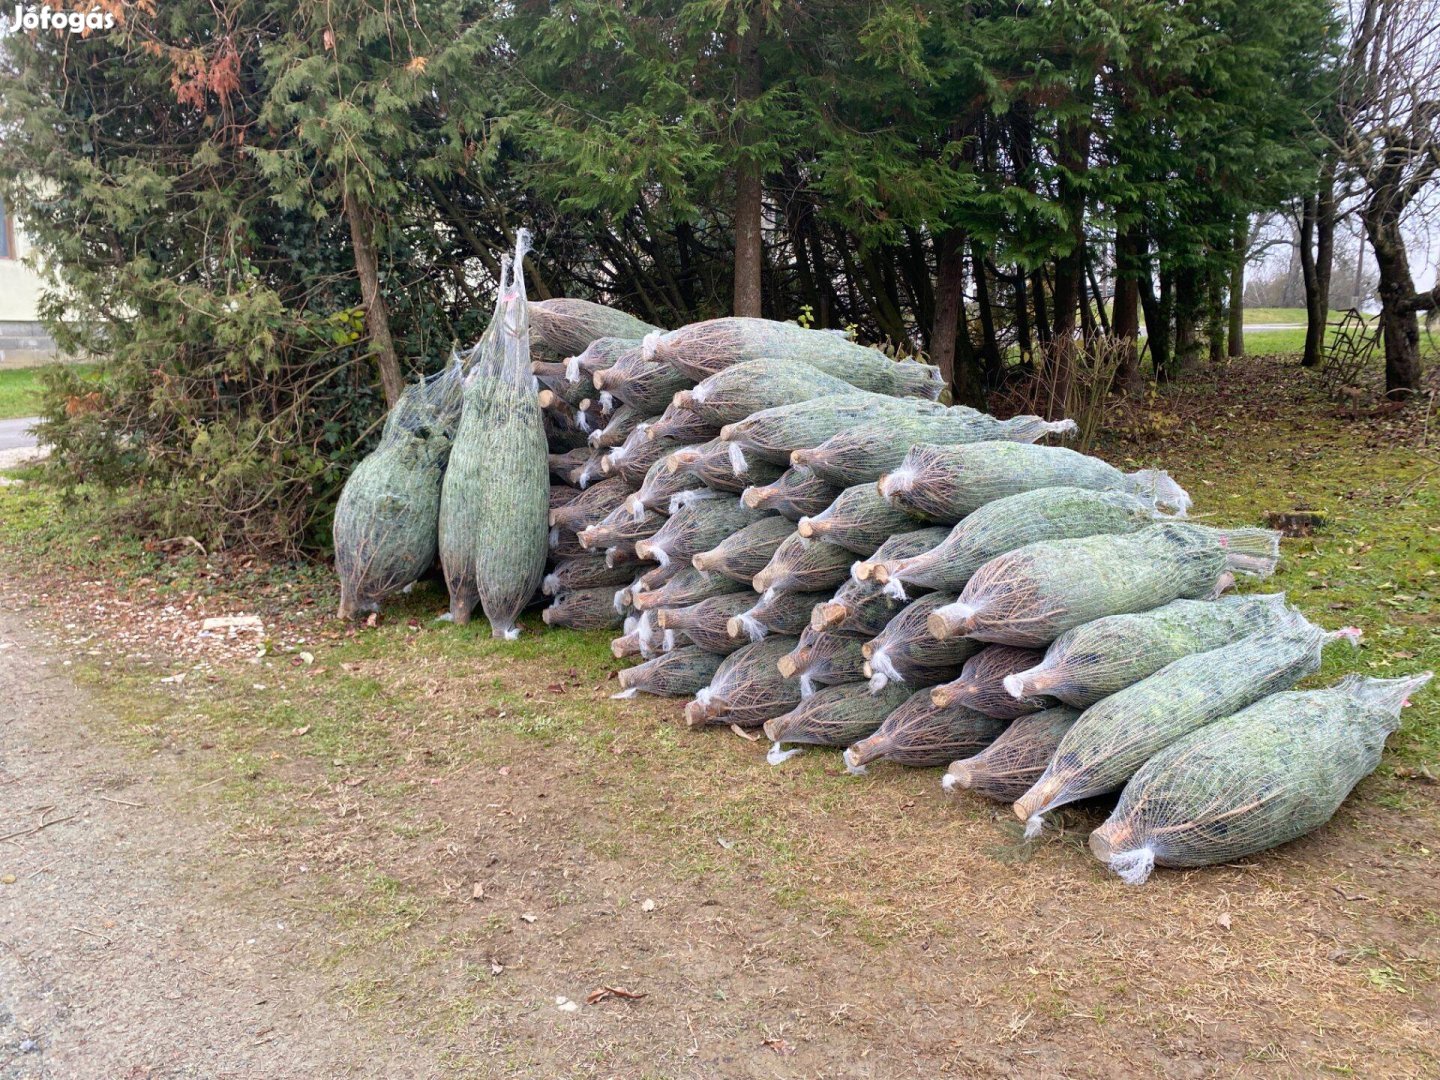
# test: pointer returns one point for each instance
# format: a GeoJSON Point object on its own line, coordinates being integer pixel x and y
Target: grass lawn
{"type": "Point", "coordinates": [19, 392]}
{"type": "Point", "coordinates": [472, 828]}
{"type": "Point", "coordinates": [1264, 342]}
{"type": "Point", "coordinates": [1293, 316]}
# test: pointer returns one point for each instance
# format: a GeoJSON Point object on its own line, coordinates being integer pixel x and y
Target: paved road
{"type": "Point", "coordinates": [16, 434]}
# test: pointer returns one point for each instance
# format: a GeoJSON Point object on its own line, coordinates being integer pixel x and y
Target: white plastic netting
{"type": "Point", "coordinates": [1266, 775]}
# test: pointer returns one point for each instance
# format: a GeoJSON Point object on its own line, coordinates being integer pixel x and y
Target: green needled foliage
{"type": "Point", "coordinates": [776, 612]}
{"type": "Point", "coordinates": [860, 608]}
{"type": "Point", "coordinates": [660, 486]}
{"type": "Point", "coordinates": [981, 683]}
{"type": "Point", "coordinates": [707, 622]}
{"type": "Point", "coordinates": [632, 459]}
{"type": "Point", "coordinates": [944, 483]}
{"type": "Point", "coordinates": [797, 493]}
{"type": "Point", "coordinates": [1118, 734]}
{"type": "Point", "coordinates": [859, 520]}
{"type": "Point", "coordinates": [1032, 595]}
{"type": "Point", "coordinates": [804, 565]}
{"type": "Point", "coordinates": [696, 527]}
{"type": "Point", "coordinates": [645, 385]}
{"type": "Point", "coordinates": [552, 375]}
{"type": "Point", "coordinates": [1098, 658]}
{"type": "Point", "coordinates": [773, 434]}
{"type": "Point", "coordinates": [863, 453]}
{"type": "Point", "coordinates": [744, 554]}
{"type": "Point", "coordinates": [600, 354]}
{"type": "Point", "coordinates": [702, 349]}
{"type": "Point", "coordinates": [1268, 774]}
{"type": "Point", "coordinates": [748, 688]}
{"type": "Point", "coordinates": [592, 506]}
{"type": "Point", "coordinates": [618, 427]}
{"type": "Point", "coordinates": [682, 425]}
{"type": "Point", "coordinates": [495, 499]}
{"type": "Point", "coordinates": [678, 673]}
{"type": "Point", "coordinates": [689, 586]}
{"type": "Point", "coordinates": [1056, 513]}
{"type": "Point", "coordinates": [1008, 767]}
{"type": "Point", "coordinates": [584, 572]}
{"type": "Point", "coordinates": [731, 395]}
{"type": "Point", "coordinates": [387, 519]}
{"type": "Point", "coordinates": [906, 652]}
{"type": "Point", "coordinates": [584, 609]}
{"type": "Point", "coordinates": [567, 327]}
{"type": "Point", "coordinates": [920, 734]}
{"type": "Point", "coordinates": [620, 526]}
{"type": "Point", "coordinates": [835, 716]}
{"type": "Point", "coordinates": [711, 463]}
{"type": "Point", "coordinates": [311, 198]}
{"type": "Point", "coordinates": [823, 659]}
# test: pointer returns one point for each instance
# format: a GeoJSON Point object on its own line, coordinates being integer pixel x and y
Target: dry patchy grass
{"type": "Point", "coordinates": [474, 829]}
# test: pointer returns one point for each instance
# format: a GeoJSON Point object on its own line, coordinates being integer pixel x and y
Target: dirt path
{"type": "Point", "coordinates": [466, 905]}
{"type": "Point", "coordinates": [121, 954]}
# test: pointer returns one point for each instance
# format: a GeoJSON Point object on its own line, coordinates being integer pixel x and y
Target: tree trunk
{"type": "Point", "coordinates": [1022, 317]}
{"type": "Point", "coordinates": [915, 274]}
{"type": "Point", "coordinates": [1100, 315]}
{"type": "Point", "coordinates": [1042, 320]}
{"type": "Point", "coordinates": [959, 369]}
{"type": "Point", "coordinates": [377, 314]}
{"type": "Point", "coordinates": [1158, 311]}
{"type": "Point", "coordinates": [949, 301]}
{"type": "Point", "coordinates": [1215, 311]}
{"type": "Point", "coordinates": [1073, 158]}
{"type": "Point", "coordinates": [747, 239]}
{"type": "Point", "coordinates": [989, 344]}
{"type": "Point", "coordinates": [685, 283]}
{"type": "Point", "coordinates": [1314, 305]}
{"type": "Point", "coordinates": [1087, 315]}
{"type": "Point", "coordinates": [1235, 343]}
{"type": "Point", "coordinates": [1325, 217]}
{"type": "Point", "coordinates": [1188, 301]}
{"type": "Point", "coordinates": [1398, 319]}
{"type": "Point", "coordinates": [749, 194]}
{"type": "Point", "coordinates": [1125, 320]}
{"type": "Point", "coordinates": [885, 304]}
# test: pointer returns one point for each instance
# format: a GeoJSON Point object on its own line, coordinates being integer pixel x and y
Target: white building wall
{"type": "Point", "coordinates": [23, 341]}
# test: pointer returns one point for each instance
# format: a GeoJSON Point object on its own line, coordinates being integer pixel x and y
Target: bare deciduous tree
{"type": "Point", "coordinates": [1389, 140]}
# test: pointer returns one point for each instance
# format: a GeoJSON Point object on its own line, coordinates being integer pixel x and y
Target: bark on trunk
{"type": "Point", "coordinates": [1074, 156]}
{"type": "Point", "coordinates": [1215, 312]}
{"type": "Point", "coordinates": [1022, 316]}
{"type": "Point", "coordinates": [377, 314]}
{"type": "Point", "coordinates": [1235, 338]}
{"type": "Point", "coordinates": [1325, 215]}
{"type": "Point", "coordinates": [1187, 316]}
{"type": "Point", "coordinates": [949, 340]}
{"type": "Point", "coordinates": [885, 303]}
{"type": "Point", "coordinates": [989, 344]}
{"type": "Point", "coordinates": [1042, 320]}
{"type": "Point", "coordinates": [1125, 321]}
{"type": "Point", "coordinates": [747, 239]}
{"type": "Point", "coordinates": [749, 193]}
{"type": "Point", "coordinates": [949, 302]}
{"type": "Point", "coordinates": [1398, 318]}
{"type": "Point", "coordinates": [1157, 319]}
{"type": "Point", "coordinates": [1314, 308]}
{"type": "Point", "coordinates": [1098, 296]}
